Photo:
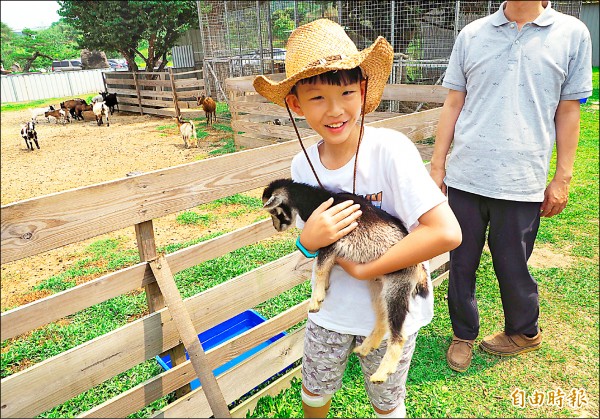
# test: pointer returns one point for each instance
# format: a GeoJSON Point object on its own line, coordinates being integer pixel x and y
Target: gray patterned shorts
{"type": "Point", "coordinates": [325, 358]}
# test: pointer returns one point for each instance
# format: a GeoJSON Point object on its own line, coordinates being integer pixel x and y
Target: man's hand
{"type": "Point", "coordinates": [328, 224]}
{"type": "Point", "coordinates": [556, 196]}
{"type": "Point", "coordinates": [438, 176]}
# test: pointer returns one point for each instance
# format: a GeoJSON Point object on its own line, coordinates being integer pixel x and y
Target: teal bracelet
{"type": "Point", "coordinates": [304, 251]}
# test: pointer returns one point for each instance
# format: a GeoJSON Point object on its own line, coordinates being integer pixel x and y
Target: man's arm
{"type": "Point", "coordinates": [445, 134]}
{"type": "Point", "coordinates": [556, 194]}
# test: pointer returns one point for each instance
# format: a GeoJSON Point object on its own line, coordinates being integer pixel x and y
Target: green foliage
{"type": "Point", "coordinates": [130, 27]}
{"type": "Point", "coordinates": [225, 147]}
{"type": "Point", "coordinates": [34, 49]}
{"type": "Point", "coordinates": [191, 217]}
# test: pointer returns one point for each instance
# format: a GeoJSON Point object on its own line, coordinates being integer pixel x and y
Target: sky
{"type": "Point", "coordinates": [28, 14]}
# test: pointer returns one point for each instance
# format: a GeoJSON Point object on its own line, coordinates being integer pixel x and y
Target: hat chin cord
{"type": "Point", "coordinates": [360, 136]}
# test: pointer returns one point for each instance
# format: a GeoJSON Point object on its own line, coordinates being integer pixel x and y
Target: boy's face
{"type": "Point", "coordinates": [332, 111]}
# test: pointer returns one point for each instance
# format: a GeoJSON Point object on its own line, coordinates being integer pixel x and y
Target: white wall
{"type": "Point", "coordinates": [26, 87]}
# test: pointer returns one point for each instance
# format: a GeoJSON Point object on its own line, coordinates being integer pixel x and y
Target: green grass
{"type": "Point", "coordinates": [568, 300]}
{"type": "Point", "coordinates": [19, 106]}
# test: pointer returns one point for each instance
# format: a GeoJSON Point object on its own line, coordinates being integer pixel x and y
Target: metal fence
{"type": "Point", "coordinates": [240, 38]}
{"type": "Point", "coordinates": [35, 86]}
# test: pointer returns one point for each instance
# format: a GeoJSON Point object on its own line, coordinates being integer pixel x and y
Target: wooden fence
{"type": "Point", "coordinates": [166, 93]}
{"type": "Point", "coordinates": [257, 122]}
{"type": "Point", "coordinates": [38, 225]}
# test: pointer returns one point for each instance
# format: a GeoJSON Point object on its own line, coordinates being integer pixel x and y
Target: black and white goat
{"type": "Point", "coordinates": [376, 232]}
{"type": "Point", "coordinates": [29, 134]}
{"type": "Point", "coordinates": [111, 101]}
{"type": "Point", "coordinates": [100, 109]}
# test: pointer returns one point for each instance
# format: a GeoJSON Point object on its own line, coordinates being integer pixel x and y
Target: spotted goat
{"type": "Point", "coordinates": [376, 232]}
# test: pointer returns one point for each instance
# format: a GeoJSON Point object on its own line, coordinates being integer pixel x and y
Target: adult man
{"type": "Point", "coordinates": [515, 80]}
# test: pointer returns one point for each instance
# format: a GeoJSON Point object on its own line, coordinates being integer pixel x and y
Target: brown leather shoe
{"type": "Point", "coordinates": [459, 354]}
{"type": "Point", "coordinates": [504, 345]}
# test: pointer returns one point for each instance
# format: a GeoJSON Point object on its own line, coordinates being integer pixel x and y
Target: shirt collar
{"type": "Point", "coordinates": [546, 18]}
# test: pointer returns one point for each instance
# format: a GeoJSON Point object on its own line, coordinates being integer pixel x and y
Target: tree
{"type": "Point", "coordinates": [38, 47]}
{"type": "Point", "coordinates": [124, 26]}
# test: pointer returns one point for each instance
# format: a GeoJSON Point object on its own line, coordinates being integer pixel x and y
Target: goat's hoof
{"type": "Point", "coordinates": [380, 376]}
{"type": "Point", "coordinates": [314, 306]}
{"type": "Point", "coordinates": [362, 350]}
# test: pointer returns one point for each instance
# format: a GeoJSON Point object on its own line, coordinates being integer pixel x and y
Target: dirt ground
{"type": "Point", "coordinates": [81, 154]}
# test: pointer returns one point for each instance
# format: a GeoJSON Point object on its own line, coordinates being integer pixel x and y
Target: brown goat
{"type": "Point", "coordinates": [209, 106]}
{"type": "Point", "coordinates": [70, 106]}
{"type": "Point", "coordinates": [80, 108]}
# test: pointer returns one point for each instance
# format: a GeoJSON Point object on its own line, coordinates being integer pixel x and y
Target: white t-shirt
{"type": "Point", "coordinates": [391, 175]}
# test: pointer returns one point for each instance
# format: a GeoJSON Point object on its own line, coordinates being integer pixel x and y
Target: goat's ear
{"type": "Point", "coordinates": [274, 201]}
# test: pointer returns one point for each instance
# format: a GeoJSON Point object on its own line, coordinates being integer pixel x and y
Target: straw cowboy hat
{"type": "Point", "coordinates": [321, 46]}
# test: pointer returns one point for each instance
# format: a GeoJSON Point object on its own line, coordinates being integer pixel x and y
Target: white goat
{"type": "Point", "coordinates": [40, 112]}
{"type": "Point", "coordinates": [100, 109]}
{"type": "Point", "coordinates": [188, 132]}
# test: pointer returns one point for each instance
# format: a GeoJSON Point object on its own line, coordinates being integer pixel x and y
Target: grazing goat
{"type": "Point", "coordinates": [100, 109]}
{"type": "Point", "coordinates": [59, 114]}
{"type": "Point", "coordinates": [70, 106]}
{"type": "Point", "coordinates": [376, 232]}
{"type": "Point", "coordinates": [40, 112]}
{"type": "Point", "coordinates": [80, 108]}
{"type": "Point", "coordinates": [188, 132]}
{"type": "Point", "coordinates": [97, 98]}
{"type": "Point", "coordinates": [210, 108]}
{"type": "Point", "coordinates": [28, 133]}
{"type": "Point", "coordinates": [111, 101]}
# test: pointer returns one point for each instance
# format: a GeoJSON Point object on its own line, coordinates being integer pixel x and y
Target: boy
{"type": "Point", "coordinates": [329, 82]}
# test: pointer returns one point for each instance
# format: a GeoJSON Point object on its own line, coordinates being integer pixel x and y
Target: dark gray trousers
{"type": "Point", "coordinates": [513, 227]}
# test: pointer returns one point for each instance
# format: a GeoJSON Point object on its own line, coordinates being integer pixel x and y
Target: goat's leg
{"type": "Point", "coordinates": [396, 295]}
{"type": "Point", "coordinates": [36, 141]}
{"type": "Point", "coordinates": [381, 320]}
{"type": "Point", "coordinates": [107, 121]}
{"type": "Point", "coordinates": [325, 262]}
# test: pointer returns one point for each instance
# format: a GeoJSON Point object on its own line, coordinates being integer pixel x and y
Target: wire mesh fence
{"type": "Point", "coordinates": [242, 38]}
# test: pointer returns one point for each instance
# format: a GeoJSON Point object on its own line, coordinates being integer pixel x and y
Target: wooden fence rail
{"type": "Point", "coordinates": [38, 225]}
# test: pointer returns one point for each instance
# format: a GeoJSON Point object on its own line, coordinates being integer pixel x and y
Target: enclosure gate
{"type": "Point", "coordinates": [38, 225]}
{"type": "Point", "coordinates": [167, 93]}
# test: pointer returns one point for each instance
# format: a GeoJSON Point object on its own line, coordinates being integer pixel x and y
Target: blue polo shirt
{"type": "Point", "coordinates": [514, 80]}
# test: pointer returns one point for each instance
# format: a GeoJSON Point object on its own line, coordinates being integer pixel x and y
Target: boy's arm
{"type": "Point", "coordinates": [438, 232]}
{"type": "Point", "coordinates": [445, 134]}
{"type": "Point", "coordinates": [567, 136]}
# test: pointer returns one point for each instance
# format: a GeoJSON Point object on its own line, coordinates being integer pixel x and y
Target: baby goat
{"type": "Point", "coordinates": [376, 232]}
{"type": "Point", "coordinates": [209, 106]}
{"type": "Point", "coordinates": [188, 132]}
{"type": "Point", "coordinates": [28, 133]}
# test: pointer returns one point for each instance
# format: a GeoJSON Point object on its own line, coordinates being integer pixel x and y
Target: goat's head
{"type": "Point", "coordinates": [200, 100]}
{"type": "Point", "coordinates": [276, 200]}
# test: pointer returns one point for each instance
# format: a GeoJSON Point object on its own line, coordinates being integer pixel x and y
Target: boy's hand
{"type": "Point", "coordinates": [438, 175]}
{"type": "Point", "coordinates": [328, 224]}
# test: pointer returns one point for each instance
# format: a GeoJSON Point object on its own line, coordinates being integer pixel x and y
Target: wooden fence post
{"type": "Point", "coordinates": [174, 91]}
{"type": "Point", "coordinates": [139, 96]}
{"type": "Point", "coordinates": [144, 233]}
{"type": "Point", "coordinates": [189, 336]}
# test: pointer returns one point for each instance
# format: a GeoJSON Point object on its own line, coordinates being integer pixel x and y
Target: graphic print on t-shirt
{"type": "Point", "coordinates": [375, 199]}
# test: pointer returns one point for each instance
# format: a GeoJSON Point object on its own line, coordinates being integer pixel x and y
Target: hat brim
{"type": "Point", "coordinates": [375, 61]}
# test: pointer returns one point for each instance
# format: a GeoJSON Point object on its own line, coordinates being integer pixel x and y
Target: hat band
{"type": "Point", "coordinates": [326, 60]}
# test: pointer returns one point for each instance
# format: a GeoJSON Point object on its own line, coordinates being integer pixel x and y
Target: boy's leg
{"type": "Point", "coordinates": [323, 365]}
{"type": "Point", "coordinates": [387, 398]}
{"type": "Point", "coordinates": [513, 230]}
